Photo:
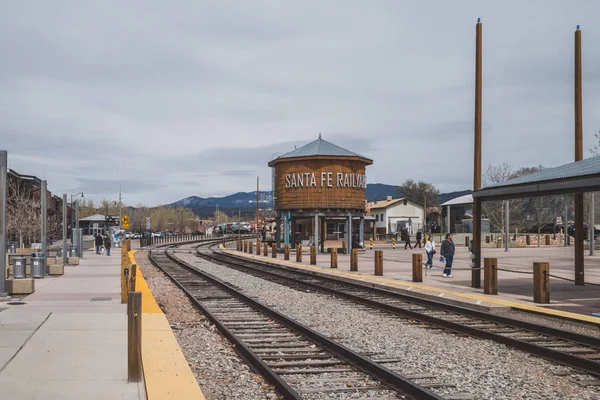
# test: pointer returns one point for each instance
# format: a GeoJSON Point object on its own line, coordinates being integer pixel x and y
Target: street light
{"type": "Point", "coordinates": [76, 212]}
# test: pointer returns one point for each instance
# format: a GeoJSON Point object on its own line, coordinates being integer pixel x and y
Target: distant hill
{"type": "Point", "coordinates": [246, 201]}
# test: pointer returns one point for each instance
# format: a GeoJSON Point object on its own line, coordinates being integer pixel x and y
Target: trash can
{"type": "Point", "coordinates": [13, 249]}
{"type": "Point", "coordinates": [74, 249]}
{"type": "Point", "coordinates": [19, 267]}
{"type": "Point", "coordinates": [37, 267]}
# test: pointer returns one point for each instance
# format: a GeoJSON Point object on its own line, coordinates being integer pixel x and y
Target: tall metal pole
{"type": "Point", "coordinates": [65, 227]}
{"type": "Point", "coordinates": [566, 220]}
{"type": "Point", "coordinates": [3, 192]}
{"type": "Point", "coordinates": [44, 223]}
{"type": "Point", "coordinates": [257, 233]}
{"type": "Point", "coordinates": [592, 227]}
{"type": "Point", "coordinates": [78, 241]}
{"type": "Point", "coordinates": [506, 226]}
{"type": "Point", "coordinates": [579, 235]}
{"type": "Point", "coordinates": [476, 272]}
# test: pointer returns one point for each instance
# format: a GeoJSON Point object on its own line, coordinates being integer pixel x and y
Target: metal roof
{"type": "Point", "coordinates": [466, 199]}
{"type": "Point", "coordinates": [321, 147]}
{"type": "Point", "coordinates": [589, 166]}
{"type": "Point", "coordinates": [94, 218]}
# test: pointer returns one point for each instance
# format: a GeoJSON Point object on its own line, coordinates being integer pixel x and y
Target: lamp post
{"type": "Point", "coordinates": [76, 226]}
{"type": "Point", "coordinates": [79, 236]}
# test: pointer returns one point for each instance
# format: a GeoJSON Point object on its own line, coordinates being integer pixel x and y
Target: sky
{"type": "Point", "coordinates": [186, 98]}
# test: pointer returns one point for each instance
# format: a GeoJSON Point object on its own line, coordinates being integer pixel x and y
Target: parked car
{"type": "Point", "coordinates": [571, 231]}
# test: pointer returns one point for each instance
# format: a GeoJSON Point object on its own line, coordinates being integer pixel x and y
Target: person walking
{"type": "Point", "coordinates": [107, 244]}
{"type": "Point", "coordinates": [98, 242]}
{"type": "Point", "coordinates": [447, 251]}
{"type": "Point", "coordinates": [430, 251]}
{"type": "Point", "coordinates": [407, 237]}
{"type": "Point", "coordinates": [419, 237]}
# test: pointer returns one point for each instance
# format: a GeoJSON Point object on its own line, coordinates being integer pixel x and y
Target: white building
{"type": "Point", "coordinates": [393, 215]}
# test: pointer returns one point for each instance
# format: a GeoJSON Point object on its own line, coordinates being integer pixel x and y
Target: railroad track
{"type": "Point", "coordinates": [299, 362]}
{"type": "Point", "coordinates": [578, 351]}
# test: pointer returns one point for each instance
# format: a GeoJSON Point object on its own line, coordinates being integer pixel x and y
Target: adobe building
{"type": "Point", "coordinates": [320, 194]}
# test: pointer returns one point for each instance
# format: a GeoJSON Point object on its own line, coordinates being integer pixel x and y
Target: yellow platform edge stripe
{"type": "Point", "coordinates": [435, 290]}
{"type": "Point", "coordinates": [167, 374]}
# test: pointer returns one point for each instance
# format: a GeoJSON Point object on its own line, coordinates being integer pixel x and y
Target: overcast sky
{"type": "Point", "coordinates": [196, 97]}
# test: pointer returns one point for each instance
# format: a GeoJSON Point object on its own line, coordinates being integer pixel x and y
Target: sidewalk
{"type": "Point", "coordinates": [69, 341]}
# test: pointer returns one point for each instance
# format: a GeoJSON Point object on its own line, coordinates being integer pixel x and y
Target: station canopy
{"type": "Point", "coordinates": [576, 177]}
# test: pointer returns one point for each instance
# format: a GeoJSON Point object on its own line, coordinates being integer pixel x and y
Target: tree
{"type": "Point", "coordinates": [420, 192]}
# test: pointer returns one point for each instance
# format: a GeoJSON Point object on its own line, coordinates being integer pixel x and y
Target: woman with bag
{"type": "Point", "coordinates": [430, 251]}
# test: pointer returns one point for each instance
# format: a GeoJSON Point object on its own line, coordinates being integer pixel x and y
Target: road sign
{"type": "Point", "coordinates": [125, 220]}
{"type": "Point", "coordinates": [148, 226]}
{"type": "Point", "coordinates": [125, 226]}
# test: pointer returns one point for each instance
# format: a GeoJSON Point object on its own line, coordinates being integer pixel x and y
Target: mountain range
{"type": "Point", "coordinates": [246, 201]}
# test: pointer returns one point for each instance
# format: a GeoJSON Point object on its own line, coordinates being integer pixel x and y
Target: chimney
{"type": "Point", "coordinates": [388, 198]}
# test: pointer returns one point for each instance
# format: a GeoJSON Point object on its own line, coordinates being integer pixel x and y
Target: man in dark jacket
{"type": "Point", "coordinates": [447, 251]}
{"type": "Point", "coordinates": [418, 242]}
{"type": "Point", "coordinates": [98, 242]}
{"type": "Point", "coordinates": [407, 238]}
{"type": "Point", "coordinates": [107, 244]}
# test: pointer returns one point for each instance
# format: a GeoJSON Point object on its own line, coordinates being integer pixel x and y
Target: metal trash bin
{"type": "Point", "coordinates": [74, 252]}
{"type": "Point", "coordinates": [37, 267]}
{"type": "Point", "coordinates": [19, 267]}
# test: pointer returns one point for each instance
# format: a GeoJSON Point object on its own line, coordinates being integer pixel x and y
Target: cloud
{"type": "Point", "coordinates": [197, 98]}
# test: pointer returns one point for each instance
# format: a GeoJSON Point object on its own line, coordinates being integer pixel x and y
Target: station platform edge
{"type": "Point", "coordinates": [167, 374]}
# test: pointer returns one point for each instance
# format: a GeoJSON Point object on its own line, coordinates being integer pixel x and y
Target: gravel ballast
{"type": "Point", "coordinates": [221, 374]}
{"type": "Point", "coordinates": [484, 368]}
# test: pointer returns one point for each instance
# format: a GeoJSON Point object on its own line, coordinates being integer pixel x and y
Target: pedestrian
{"type": "Point", "coordinates": [107, 244]}
{"type": "Point", "coordinates": [430, 251]}
{"type": "Point", "coordinates": [407, 237]}
{"type": "Point", "coordinates": [447, 251]}
{"type": "Point", "coordinates": [418, 242]}
{"type": "Point", "coordinates": [98, 241]}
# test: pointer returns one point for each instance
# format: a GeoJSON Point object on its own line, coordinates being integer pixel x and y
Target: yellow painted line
{"type": "Point", "coordinates": [437, 291]}
{"type": "Point", "coordinates": [167, 374]}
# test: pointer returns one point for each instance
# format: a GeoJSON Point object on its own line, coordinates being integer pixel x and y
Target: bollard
{"type": "Point", "coordinates": [490, 276]}
{"type": "Point", "coordinates": [371, 244]}
{"type": "Point", "coordinates": [245, 246]}
{"type": "Point", "coordinates": [344, 246]}
{"type": "Point", "coordinates": [379, 262]}
{"type": "Point", "coordinates": [286, 252]}
{"type": "Point", "coordinates": [265, 249]}
{"type": "Point", "coordinates": [132, 277]}
{"type": "Point", "coordinates": [568, 240]}
{"type": "Point", "coordinates": [258, 248]}
{"type": "Point", "coordinates": [334, 258]}
{"type": "Point", "coordinates": [134, 337]}
{"type": "Point", "coordinates": [417, 267]}
{"type": "Point", "coordinates": [250, 244]}
{"type": "Point", "coordinates": [354, 260]}
{"type": "Point", "coordinates": [466, 241]}
{"type": "Point", "coordinates": [487, 239]}
{"type": "Point", "coordinates": [299, 253]}
{"type": "Point", "coordinates": [528, 240]}
{"type": "Point", "coordinates": [313, 255]}
{"type": "Point", "coordinates": [273, 251]}
{"type": "Point", "coordinates": [393, 243]}
{"type": "Point", "coordinates": [547, 240]}
{"type": "Point", "coordinates": [541, 282]}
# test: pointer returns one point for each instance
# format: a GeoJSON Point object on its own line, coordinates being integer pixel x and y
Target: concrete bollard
{"type": "Point", "coordinates": [299, 253]}
{"type": "Point", "coordinates": [354, 260]}
{"type": "Point", "coordinates": [334, 258]}
{"type": "Point", "coordinates": [379, 262]}
{"type": "Point", "coordinates": [258, 248]}
{"type": "Point", "coordinates": [273, 251]}
{"type": "Point", "coordinates": [417, 267]}
{"type": "Point", "coordinates": [466, 241]}
{"type": "Point", "coordinates": [528, 240]}
{"type": "Point", "coordinates": [286, 252]}
{"type": "Point", "coordinates": [313, 255]}
{"type": "Point", "coordinates": [490, 276]}
{"type": "Point", "coordinates": [547, 240]}
{"type": "Point", "coordinates": [250, 244]}
{"type": "Point", "coordinates": [541, 282]}
{"type": "Point", "coordinates": [265, 249]}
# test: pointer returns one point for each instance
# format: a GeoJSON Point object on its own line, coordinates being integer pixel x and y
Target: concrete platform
{"type": "Point", "coordinates": [515, 288]}
{"type": "Point", "coordinates": [69, 340]}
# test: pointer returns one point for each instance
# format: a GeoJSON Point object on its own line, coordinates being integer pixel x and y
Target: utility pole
{"type": "Point", "coordinates": [3, 192]}
{"type": "Point", "coordinates": [257, 233]}
{"type": "Point", "coordinates": [578, 198]}
{"type": "Point", "coordinates": [476, 272]}
{"type": "Point", "coordinates": [592, 228]}
{"type": "Point", "coordinates": [506, 225]}
{"type": "Point", "coordinates": [239, 224]}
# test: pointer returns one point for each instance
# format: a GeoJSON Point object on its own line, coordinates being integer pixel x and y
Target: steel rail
{"type": "Point", "coordinates": [393, 379]}
{"type": "Point", "coordinates": [581, 363]}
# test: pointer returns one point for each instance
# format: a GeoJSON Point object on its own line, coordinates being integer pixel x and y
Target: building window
{"type": "Point", "coordinates": [377, 217]}
{"type": "Point", "coordinates": [381, 217]}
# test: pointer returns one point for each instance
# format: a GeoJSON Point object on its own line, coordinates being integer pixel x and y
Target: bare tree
{"type": "Point", "coordinates": [419, 192]}
{"type": "Point", "coordinates": [543, 208]}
